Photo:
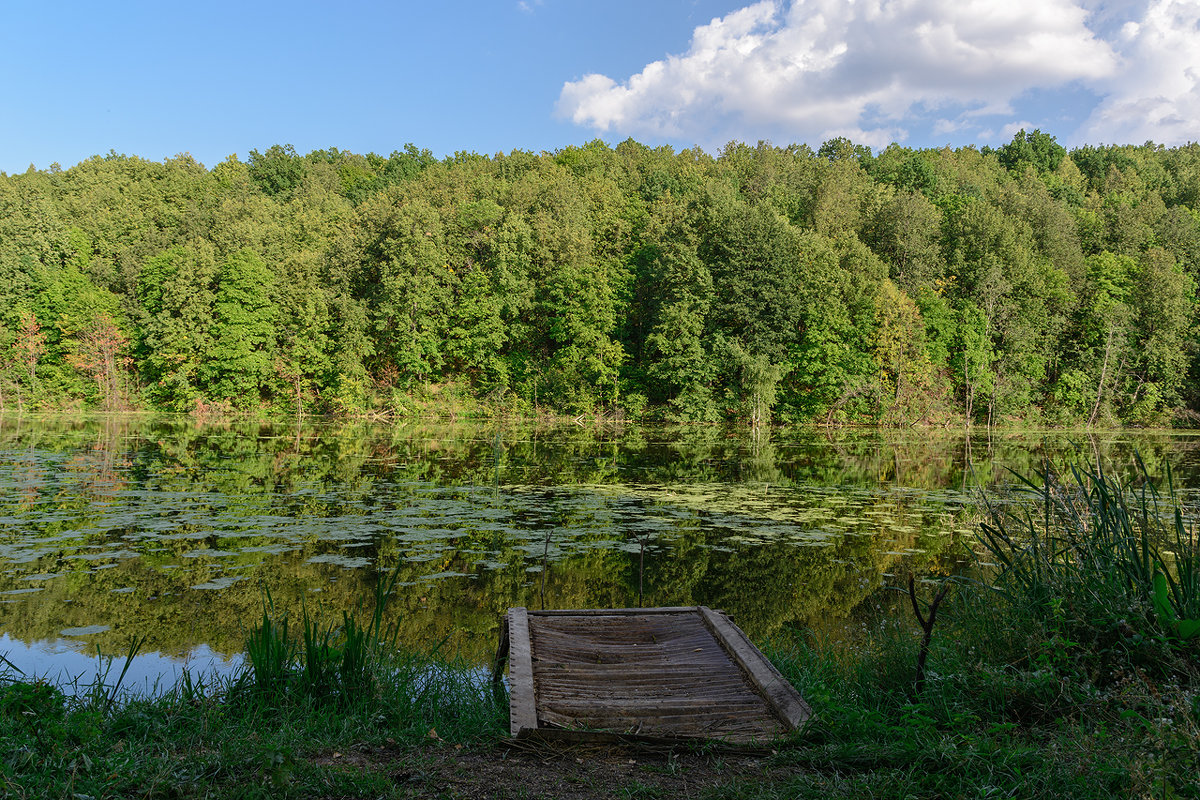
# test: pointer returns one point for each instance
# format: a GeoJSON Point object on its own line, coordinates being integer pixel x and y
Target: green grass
{"type": "Point", "coordinates": [1103, 579]}
{"type": "Point", "coordinates": [252, 735]}
{"type": "Point", "coordinates": [221, 740]}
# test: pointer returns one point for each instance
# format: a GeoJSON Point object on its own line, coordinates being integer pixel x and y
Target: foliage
{"type": "Point", "coordinates": [1035, 149]}
{"type": "Point", "coordinates": [1047, 285]}
{"type": "Point", "coordinates": [1066, 666]}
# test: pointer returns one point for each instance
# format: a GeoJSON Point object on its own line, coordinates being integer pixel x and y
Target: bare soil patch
{"type": "Point", "coordinates": [558, 771]}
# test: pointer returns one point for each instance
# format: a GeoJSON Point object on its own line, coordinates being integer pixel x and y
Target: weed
{"type": "Point", "coordinates": [640, 791]}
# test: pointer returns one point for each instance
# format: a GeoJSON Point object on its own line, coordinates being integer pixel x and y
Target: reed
{"type": "Point", "coordinates": [1100, 561]}
{"type": "Point", "coordinates": [339, 664]}
{"type": "Point", "coordinates": [271, 652]}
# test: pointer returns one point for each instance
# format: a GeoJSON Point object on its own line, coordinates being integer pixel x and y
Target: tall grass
{"type": "Point", "coordinates": [271, 651]}
{"type": "Point", "coordinates": [1103, 564]}
{"type": "Point", "coordinates": [326, 662]}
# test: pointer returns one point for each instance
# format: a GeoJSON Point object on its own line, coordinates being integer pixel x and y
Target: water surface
{"type": "Point", "coordinates": [176, 531]}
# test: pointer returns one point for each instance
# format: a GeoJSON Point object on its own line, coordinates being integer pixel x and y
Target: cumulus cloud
{"type": "Point", "coordinates": [813, 69]}
{"type": "Point", "coordinates": [1155, 94]}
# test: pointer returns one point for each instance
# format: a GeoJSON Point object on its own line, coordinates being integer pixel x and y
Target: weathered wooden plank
{"type": "Point", "coordinates": [648, 641]}
{"type": "Point", "coordinates": [698, 684]}
{"type": "Point", "coordinates": [522, 705]}
{"type": "Point", "coordinates": [783, 696]}
{"type": "Point", "coordinates": [612, 612]}
{"type": "Point", "coordinates": [599, 639]}
{"type": "Point", "coordinates": [651, 706]}
{"type": "Point", "coordinates": [581, 667]}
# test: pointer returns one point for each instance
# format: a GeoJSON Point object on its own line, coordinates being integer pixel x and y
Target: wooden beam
{"type": "Point", "coordinates": [522, 701]}
{"type": "Point", "coordinates": [612, 612]}
{"type": "Point", "coordinates": [781, 694]}
{"type": "Point", "coordinates": [501, 651]}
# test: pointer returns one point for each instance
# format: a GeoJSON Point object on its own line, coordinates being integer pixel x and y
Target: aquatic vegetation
{"type": "Point", "coordinates": [343, 663]}
{"type": "Point", "coordinates": [1106, 566]}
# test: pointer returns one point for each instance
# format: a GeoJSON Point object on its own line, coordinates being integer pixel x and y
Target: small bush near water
{"type": "Point", "coordinates": [1063, 666]}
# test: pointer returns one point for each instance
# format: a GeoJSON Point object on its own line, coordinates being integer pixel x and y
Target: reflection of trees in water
{"type": "Point", "coordinates": [599, 489]}
{"type": "Point", "coordinates": [764, 587]}
{"type": "Point", "coordinates": [162, 606]}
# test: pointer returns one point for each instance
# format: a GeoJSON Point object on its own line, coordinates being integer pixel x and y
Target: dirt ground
{"type": "Point", "coordinates": [559, 771]}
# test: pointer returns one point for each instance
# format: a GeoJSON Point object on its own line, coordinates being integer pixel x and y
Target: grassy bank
{"type": "Point", "coordinates": [312, 689]}
{"type": "Point", "coordinates": [1066, 665]}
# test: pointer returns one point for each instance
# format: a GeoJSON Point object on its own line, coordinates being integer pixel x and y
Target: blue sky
{"type": "Point", "coordinates": [221, 78]}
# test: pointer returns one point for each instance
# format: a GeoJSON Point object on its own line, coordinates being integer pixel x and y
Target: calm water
{"type": "Point", "coordinates": [115, 528]}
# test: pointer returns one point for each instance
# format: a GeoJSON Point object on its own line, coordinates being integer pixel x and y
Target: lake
{"type": "Point", "coordinates": [178, 531]}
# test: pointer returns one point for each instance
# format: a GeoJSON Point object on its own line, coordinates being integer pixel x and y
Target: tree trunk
{"type": "Point", "coordinates": [1103, 375]}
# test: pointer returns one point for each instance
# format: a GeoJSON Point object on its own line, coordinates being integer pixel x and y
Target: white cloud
{"type": "Point", "coordinates": [1156, 92]}
{"type": "Point", "coordinates": [1013, 128]}
{"type": "Point", "coordinates": [860, 68]}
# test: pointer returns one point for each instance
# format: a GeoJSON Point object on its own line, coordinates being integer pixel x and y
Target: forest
{"type": "Point", "coordinates": [1023, 284]}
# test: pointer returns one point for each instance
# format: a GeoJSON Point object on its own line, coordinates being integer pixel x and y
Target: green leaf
{"type": "Point", "coordinates": [1187, 628]}
{"type": "Point", "coordinates": [1162, 600]}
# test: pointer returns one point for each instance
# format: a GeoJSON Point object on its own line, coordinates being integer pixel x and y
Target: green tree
{"type": "Point", "coordinates": [1096, 367]}
{"type": "Point", "coordinates": [567, 350]}
{"type": "Point", "coordinates": [905, 231]}
{"type": "Point", "coordinates": [240, 360]}
{"type": "Point", "coordinates": [1162, 303]}
{"type": "Point", "coordinates": [908, 389]}
{"type": "Point", "coordinates": [1032, 149]}
{"type": "Point", "coordinates": [278, 171]}
{"type": "Point", "coordinates": [971, 362]}
{"type": "Point", "coordinates": [754, 257]}
{"type": "Point", "coordinates": [174, 340]}
{"type": "Point", "coordinates": [681, 366]}
{"type": "Point", "coordinates": [79, 316]}
{"type": "Point", "coordinates": [305, 331]}
{"type": "Point", "coordinates": [830, 366]}
{"type": "Point", "coordinates": [407, 281]}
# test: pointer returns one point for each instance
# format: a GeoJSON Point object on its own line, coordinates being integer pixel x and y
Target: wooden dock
{"type": "Point", "coordinates": [665, 673]}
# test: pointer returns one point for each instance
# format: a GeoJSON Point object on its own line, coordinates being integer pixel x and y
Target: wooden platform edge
{"type": "Point", "coordinates": [612, 612]}
{"type": "Point", "coordinates": [522, 704]}
{"type": "Point", "coordinates": [779, 692]}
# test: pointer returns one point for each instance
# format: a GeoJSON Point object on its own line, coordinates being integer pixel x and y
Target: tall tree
{"type": "Point", "coordinates": [681, 365]}
{"type": "Point", "coordinates": [240, 359]}
{"type": "Point", "coordinates": [174, 340]}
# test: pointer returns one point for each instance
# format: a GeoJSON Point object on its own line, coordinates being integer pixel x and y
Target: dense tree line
{"type": "Point", "coordinates": [837, 285]}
